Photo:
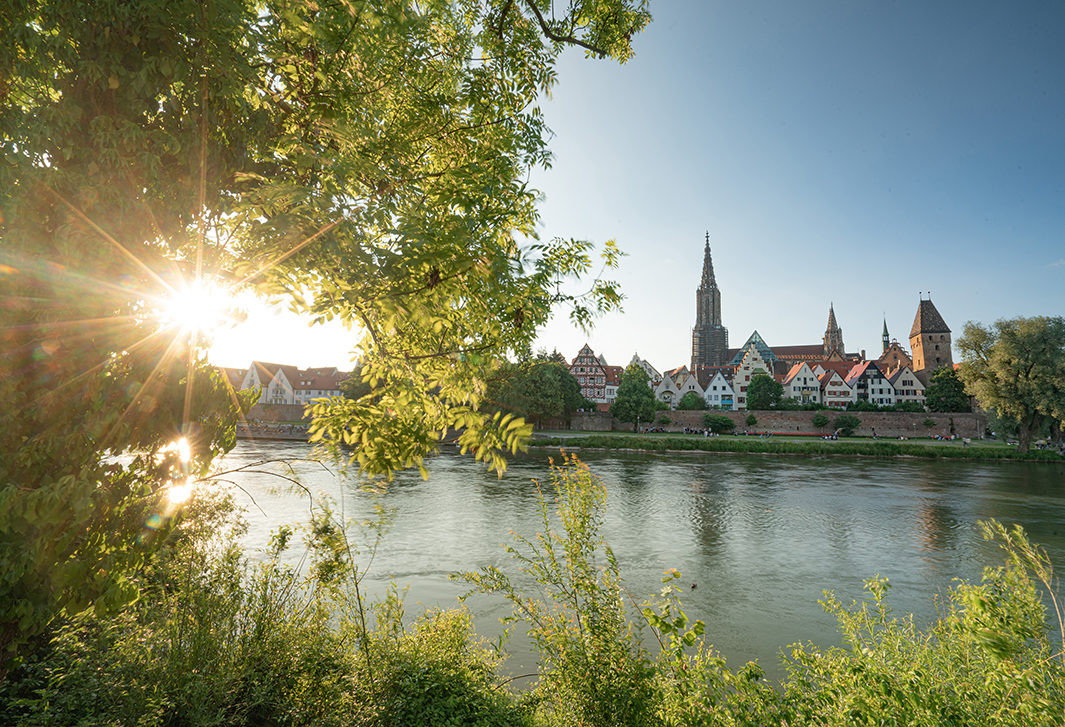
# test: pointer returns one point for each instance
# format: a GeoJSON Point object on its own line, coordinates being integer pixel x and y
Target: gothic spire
{"type": "Point", "coordinates": [708, 266]}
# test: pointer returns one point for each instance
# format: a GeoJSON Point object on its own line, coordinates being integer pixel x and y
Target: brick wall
{"type": "Point", "coordinates": [886, 424]}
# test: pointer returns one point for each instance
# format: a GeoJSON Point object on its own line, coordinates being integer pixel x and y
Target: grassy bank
{"type": "Point", "coordinates": [780, 445]}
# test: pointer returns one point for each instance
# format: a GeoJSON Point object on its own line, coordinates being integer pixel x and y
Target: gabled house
{"type": "Point", "coordinates": [590, 374]}
{"type": "Point", "coordinates": [870, 384]}
{"type": "Point", "coordinates": [802, 384]}
{"type": "Point", "coordinates": [613, 381]}
{"type": "Point", "coordinates": [653, 377]}
{"type": "Point", "coordinates": [835, 391]}
{"type": "Point", "coordinates": [718, 390]}
{"type": "Point", "coordinates": [907, 386]}
{"type": "Point", "coordinates": [751, 364]}
{"type": "Point", "coordinates": [667, 391]}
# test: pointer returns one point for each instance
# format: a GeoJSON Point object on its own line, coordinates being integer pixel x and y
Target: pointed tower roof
{"type": "Point", "coordinates": [708, 266]}
{"type": "Point", "coordinates": [928, 320]}
{"type": "Point", "coordinates": [832, 325]}
{"type": "Point", "coordinates": [885, 334]}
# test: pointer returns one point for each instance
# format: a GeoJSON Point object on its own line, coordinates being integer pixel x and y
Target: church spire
{"type": "Point", "coordinates": [708, 267]}
{"type": "Point", "coordinates": [833, 339]}
{"type": "Point", "coordinates": [885, 337]}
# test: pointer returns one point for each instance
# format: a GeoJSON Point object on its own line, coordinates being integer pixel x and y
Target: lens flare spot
{"type": "Point", "coordinates": [180, 492]}
{"type": "Point", "coordinates": [154, 522]}
{"type": "Point", "coordinates": [199, 308]}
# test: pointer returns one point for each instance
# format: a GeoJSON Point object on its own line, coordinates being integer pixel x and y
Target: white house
{"type": "Point", "coordinates": [718, 393]}
{"type": "Point", "coordinates": [802, 384]}
{"type": "Point", "coordinates": [907, 386]}
{"type": "Point", "coordinates": [835, 391]}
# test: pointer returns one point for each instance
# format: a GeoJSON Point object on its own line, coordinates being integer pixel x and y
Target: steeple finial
{"type": "Point", "coordinates": [708, 266]}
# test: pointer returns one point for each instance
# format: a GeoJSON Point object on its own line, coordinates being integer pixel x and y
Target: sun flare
{"type": "Point", "coordinates": [198, 308]}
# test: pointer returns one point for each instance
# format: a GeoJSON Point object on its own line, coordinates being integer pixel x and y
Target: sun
{"type": "Point", "coordinates": [198, 308]}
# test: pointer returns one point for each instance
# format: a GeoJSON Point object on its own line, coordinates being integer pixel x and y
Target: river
{"type": "Point", "coordinates": [756, 538]}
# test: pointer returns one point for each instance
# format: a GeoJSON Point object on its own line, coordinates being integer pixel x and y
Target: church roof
{"type": "Point", "coordinates": [708, 267]}
{"type": "Point", "coordinates": [928, 320]}
{"type": "Point", "coordinates": [813, 352]}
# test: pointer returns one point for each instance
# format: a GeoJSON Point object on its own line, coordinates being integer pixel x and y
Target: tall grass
{"type": "Point", "coordinates": [772, 445]}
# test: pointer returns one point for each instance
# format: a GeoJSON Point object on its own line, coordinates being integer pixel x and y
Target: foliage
{"type": "Point", "coordinates": [863, 405]}
{"type": "Point", "coordinates": [752, 420]}
{"type": "Point", "coordinates": [845, 424]}
{"type": "Point", "coordinates": [820, 420]}
{"type": "Point", "coordinates": [928, 422]}
{"type": "Point", "coordinates": [537, 389]}
{"type": "Point", "coordinates": [946, 392]}
{"type": "Point", "coordinates": [986, 661]}
{"type": "Point", "coordinates": [691, 402]}
{"type": "Point", "coordinates": [1017, 368]}
{"type": "Point", "coordinates": [911, 407]}
{"type": "Point", "coordinates": [368, 161]}
{"type": "Point", "coordinates": [664, 420]}
{"type": "Point", "coordinates": [764, 392]}
{"type": "Point", "coordinates": [718, 423]}
{"type": "Point", "coordinates": [593, 670]}
{"type": "Point", "coordinates": [635, 402]}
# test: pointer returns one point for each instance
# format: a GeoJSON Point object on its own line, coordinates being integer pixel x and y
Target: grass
{"type": "Point", "coordinates": [857, 447]}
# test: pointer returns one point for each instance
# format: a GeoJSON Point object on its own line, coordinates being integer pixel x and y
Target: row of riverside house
{"type": "Point", "coordinates": [283, 384]}
{"type": "Point", "coordinates": [813, 374]}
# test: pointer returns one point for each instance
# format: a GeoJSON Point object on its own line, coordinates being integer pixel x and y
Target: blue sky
{"type": "Point", "coordinates": [847, 152]}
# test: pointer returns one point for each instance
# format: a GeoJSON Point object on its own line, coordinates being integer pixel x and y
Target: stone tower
{"type": "Point", "coordinates": [833, 338]}
{"type": "Point", "coordinates": [709, 337]}
{"type": "Point", "coordinates": [885, 338]}
{"type": "Point", "coordinates": [929, 341]}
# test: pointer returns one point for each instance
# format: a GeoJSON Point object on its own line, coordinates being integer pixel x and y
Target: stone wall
{"type": "Point", "coordinates": [883, 424]}
{"type": "Point", "coordinates": [593, 421]}
{"type": "Point", "coordinates": [276, 413]}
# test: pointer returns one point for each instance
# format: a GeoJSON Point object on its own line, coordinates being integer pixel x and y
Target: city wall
{"type": "Point", "coordinates": [276, 413]}
{"type": "Point", "coordinates": [881, 424]}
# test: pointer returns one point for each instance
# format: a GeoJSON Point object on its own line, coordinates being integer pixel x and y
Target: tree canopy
{"type": "Point", "coordinates": [691, 402]}
{"type": "Point", "coordinates": [1016, 367]}
{"type": "Point", "coordinates": [635, 402]}
{"type": "Point", "coordinates": [946, 392]}
{"type": "Point", "coordinates": [538, 389]}
{"type": "Point", "coordinates": [764, 392]}
{"type": "Point", "coordinates": [366, 161]}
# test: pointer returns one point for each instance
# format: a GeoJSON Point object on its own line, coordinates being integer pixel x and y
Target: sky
{"type": "Point", "coordinates": [860, 154]}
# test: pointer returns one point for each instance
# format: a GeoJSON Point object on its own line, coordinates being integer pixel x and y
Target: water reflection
{"type": "Point", "coordinates": [759, 537]}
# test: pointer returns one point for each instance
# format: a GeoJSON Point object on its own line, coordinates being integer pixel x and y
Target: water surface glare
{"type": "Point", "coordinates": [758, 537]}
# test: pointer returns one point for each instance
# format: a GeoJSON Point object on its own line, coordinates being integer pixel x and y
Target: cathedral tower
{"type": "Point", "coordinates": [709, 337]}
{"type": "Point", "coordinates": [833, 338]}
{"type": "Point", "coordinates": [929, 341]}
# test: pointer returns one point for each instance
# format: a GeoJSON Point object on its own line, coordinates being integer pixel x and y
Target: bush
{"type": "Point", "coordinates": [845, 424]}
{"type": "Point", "coordinates": [820, 421]}
{"type": "Point", "coordinates": [691, 402]}
{"type": "Point", "coordinates": [718, 423]}
{"type": "Point", "coordinates": [752, 420]}
{"type": "Point", "coordinates": [663, 421]}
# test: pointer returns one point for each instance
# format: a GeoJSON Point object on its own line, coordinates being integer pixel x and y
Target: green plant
{"type": "Point", "coordinates": [846, 424]}
{"type": "Point", "coordinates": [820, 420]}
{"type": "Point", "coordinates": [718, 423]}
{"type": "Point", "coordinates": [593, 670]}
{"type": "Point", "coordinates": [752, 420]}
{"type": "Point", "coordinates": [928, 422]}
{"type": "Point", "coordinates": [664, 420]}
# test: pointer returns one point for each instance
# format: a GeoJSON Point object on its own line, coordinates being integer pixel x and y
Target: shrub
{"type": "Point", "coordinates": [820, 420]}
{"type": "Point", "coordinates": [663, 421]}
{"type": "Point", "coordinates": [752, 420]}
{"type": "Point", "coordinates": [718, 423]}
{"type": "Point", "coordinates": [846, 424]}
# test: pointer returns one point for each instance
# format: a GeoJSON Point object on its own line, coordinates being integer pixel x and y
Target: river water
{"type": "Point", "coordinates": [757, 539]}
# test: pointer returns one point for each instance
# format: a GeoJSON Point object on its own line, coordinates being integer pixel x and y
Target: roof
{"type": "Point", "coordinates": [900, 372]}
{"type": "Point", "coordinates": [928, 320]}
{"type": "Point", "coordinates": [705, 374]}
{"type": "Point", "coordinates": [859, 369]}
{"type": "Point", "coordinates": [763, 350]}
{"type": "Point", "coordinates": [613, 375]}
{"type": "Point", "coordinates": [812, 352]}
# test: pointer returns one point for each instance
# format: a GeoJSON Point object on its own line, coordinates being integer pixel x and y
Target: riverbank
{"type": "Point", "coordinates": [782, 445]}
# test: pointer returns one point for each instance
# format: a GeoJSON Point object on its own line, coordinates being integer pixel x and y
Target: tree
{"type": "Point", "coordinates": [366, 161]}
{"type": "Point", "coordinates": [718, 423]}
{"type": "Point", "coordinates": [691, 402]}
{"type": "Point", "coordinates": [764, 392]}
{"type": "Point", "coordinates": [537, 389]}
{"type": "Point", "coordinates": [845, 424]}
{"type": "Point", "coordinates": [635, 402]}
{"type": "Point", "coordinates": [946, 392]}
{"type": "Point", "coordinates": [908, 406]}
{"type": "Point", "coordinates": [820, 420]}
{"type": "Point", "coordinates": [1017, 368]}
{"type": "Point", "coordinates": [752, 420]}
